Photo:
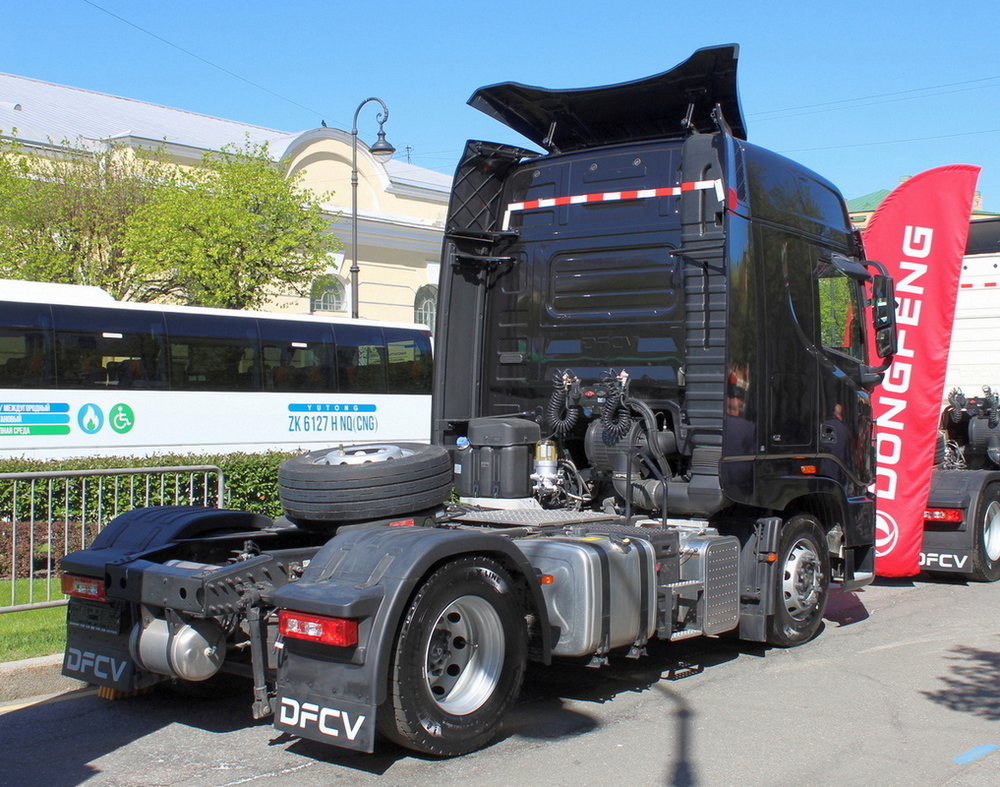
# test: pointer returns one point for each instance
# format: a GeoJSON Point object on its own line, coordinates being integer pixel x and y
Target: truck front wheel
{"type": "Point", "coordinates": [458, 662]}
{"type": "Point", "coordinates": [802, 583]}
{"type": "Point", "coordinates": [986, 551]}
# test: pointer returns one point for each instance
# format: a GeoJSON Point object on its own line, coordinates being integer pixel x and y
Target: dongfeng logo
{"type": "Point", "coordinates": [90, 418]}
{"type": "Point", "coordinates": [886, 534]}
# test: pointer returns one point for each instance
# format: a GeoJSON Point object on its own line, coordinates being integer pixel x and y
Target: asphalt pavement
{"type": "Point", "coordinates": [902, 689]}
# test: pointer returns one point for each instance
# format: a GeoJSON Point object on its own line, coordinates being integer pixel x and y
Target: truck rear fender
{"type": "Point", "coordinates": [959, 488]}
{"type": "Point", "coordinates": [954, 489]}
{"type": "Point", "coordinates": [372, 574]}
{"type": "Point", "coordinates": [142, 530]}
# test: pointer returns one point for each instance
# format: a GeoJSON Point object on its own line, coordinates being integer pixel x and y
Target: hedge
{"type": "Point", "coordinates": [251, 479]}
{"type": "Point", "coordinates": [251, 484]}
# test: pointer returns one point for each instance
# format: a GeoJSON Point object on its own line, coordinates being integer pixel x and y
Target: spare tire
{"type": "Point", "coordinates": [358, 482]}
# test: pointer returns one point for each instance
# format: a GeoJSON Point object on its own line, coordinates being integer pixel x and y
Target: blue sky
{"type": "Point", "coordinates": [862, 93]}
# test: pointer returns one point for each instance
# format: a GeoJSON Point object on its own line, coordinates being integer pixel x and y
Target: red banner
{"type": "Point", "coordinates": [919, 233]}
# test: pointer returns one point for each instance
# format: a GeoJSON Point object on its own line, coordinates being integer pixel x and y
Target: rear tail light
{"type": "Point", "coordinates": [341, 632]}
{"type": "Point", "coordinates": [83, 587]}
{"type": "Point", "coordinates": [950, 515]}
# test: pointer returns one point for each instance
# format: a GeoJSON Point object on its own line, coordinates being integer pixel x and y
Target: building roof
{"type": "Point", "coordinates": [867, 202]}
{"type": "Point", "coordinates": [44, 113]}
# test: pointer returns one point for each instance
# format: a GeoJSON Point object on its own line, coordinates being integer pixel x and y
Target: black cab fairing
{"type": "Point", "coordinates": [670, 105]}
{"type": "Point", "coordinates": [771, 188]}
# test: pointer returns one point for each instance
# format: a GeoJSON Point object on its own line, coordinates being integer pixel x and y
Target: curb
{"type": "Point", "coordinates": [34, 677]}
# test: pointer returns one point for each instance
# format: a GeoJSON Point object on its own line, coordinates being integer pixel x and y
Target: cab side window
{"type": "Point", "coordinates": [839, 312]}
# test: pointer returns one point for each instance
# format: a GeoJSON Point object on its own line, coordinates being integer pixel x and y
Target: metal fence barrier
{"type": "Point", "coordinates": [45, 515]}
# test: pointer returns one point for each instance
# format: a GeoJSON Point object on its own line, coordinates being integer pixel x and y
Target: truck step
{"type": "Point", "coordinates": [684, 670]}
{"type": "Point", "coordinates": [686, 634]}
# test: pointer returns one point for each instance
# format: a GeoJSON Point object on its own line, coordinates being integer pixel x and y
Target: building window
{"type": "Point", "coordinates": [328, 295]}
{"type": "Point", "coordinates": [425, 305]}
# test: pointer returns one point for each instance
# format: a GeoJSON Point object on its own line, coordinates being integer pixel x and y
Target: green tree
{"type": "Point", "coordinates": [230, 233]}
{"type": "Point", "coordinates": [63, 214]}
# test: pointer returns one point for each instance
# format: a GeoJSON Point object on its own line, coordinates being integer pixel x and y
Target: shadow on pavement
{"type": "Point", "coordinates": [80, 728]}
{"type": "Point", "coordinates": [543, 712]}
{"type": "Point", "coordinates": [552, 706]}
{"type": "Point", "coordinates": [844, 607]}
{"type": "Point", "coordinates": [972, 686]}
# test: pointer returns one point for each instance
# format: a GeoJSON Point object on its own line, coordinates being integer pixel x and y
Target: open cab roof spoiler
{"type": "Point", "coordinates": [669, 105]}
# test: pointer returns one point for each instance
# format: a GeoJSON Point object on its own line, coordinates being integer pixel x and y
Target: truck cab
{"type": "Point", "coordinates": [655, 283]}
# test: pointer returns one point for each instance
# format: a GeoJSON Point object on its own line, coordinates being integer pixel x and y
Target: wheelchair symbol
{"type": "Point", "coordinates": [121, 418]}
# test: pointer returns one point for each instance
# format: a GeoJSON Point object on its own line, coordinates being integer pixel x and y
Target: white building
{"type": "Point", "coordinates": [401, 207]}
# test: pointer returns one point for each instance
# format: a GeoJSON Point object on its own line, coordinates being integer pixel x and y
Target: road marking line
{"type": "Point", "coordinates": [975, 754]}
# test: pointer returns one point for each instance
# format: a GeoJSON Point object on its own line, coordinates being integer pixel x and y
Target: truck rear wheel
{"type": "Point", "coordinates": [802, 582]}
{"type": "Point", "coordinates": [458, 662]}
{"type": "Point", "coordinates": [986, 550]}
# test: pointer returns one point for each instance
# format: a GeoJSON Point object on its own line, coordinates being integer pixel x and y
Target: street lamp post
{"type": "Point", "coordinates": [381, 150]}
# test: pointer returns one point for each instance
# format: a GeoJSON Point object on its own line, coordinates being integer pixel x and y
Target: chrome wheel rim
{"type": "Point", "coordinates": [363, 454]}
{"type": "Point", "coordinates": [991, 531]}
{"type": "Point", "coordinates": [464, 655]}
{"type": "Point", "coordinates": [802, 582]}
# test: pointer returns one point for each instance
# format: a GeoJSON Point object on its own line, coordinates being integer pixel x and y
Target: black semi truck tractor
{"type": "Point", "coordinates": [651, 419]}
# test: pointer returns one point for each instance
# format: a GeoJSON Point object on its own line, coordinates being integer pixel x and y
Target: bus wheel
{"type": "Point", "coordinates": [802, 582]}
{"type": "Point", "coordinates": [458, 661]}
{"type": "Point", "coordinates": [359, 482]}
{"type": "Point", "coordinates": [986, 551]}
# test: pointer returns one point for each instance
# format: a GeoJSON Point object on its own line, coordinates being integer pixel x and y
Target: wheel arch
{"type": "Point", "coordinates": [142, 530]}
{"type": "Point", "coordinates": [853, 509]}
{"type": "Point", "coordinates": [824, 505]}
{"type": "Point", "coordinates": [359, 556]}
{"type": "Point", "coordinates": [448, 546]}
{"type": "Point", "coordinates": [513, 562]}
{"type": "Point", "coordinates": [960, 488]}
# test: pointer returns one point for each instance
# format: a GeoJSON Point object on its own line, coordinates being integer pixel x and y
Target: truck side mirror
{"type": "Point", "coordinates": [884, 316]}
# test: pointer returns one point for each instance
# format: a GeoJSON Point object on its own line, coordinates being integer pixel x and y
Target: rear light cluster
{"type": "Point", "coordinates": [83, 587]}
{"type": "Point", "coordinates": [950, 515]}
{"type": "Point", "coordinates": [341, 632]}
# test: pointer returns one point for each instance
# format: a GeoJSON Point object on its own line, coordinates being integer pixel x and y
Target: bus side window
{"type": "Point", "coordinates": [297, 356]}
{"type": "Point", "coordinates": [26, 357]}
{"type": "Point", "coordinates": [214, 353]}
{"type": "Point", "coordinates": [100, 348]}
{"type": "Point", "coordinates": [361, 355]}
{"type": "Point", "coordinates": [409, 361]}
